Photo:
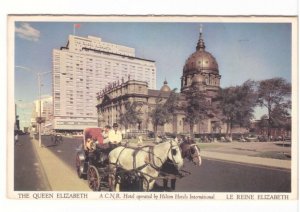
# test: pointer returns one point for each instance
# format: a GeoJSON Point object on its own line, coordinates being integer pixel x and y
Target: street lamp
{"type": "Point", "coordinates": [39, 119]}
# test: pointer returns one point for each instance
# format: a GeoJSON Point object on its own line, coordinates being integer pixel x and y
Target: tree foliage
{"type": "Point", "coordinates": [163, 111]}
{"type": "Point", "coordinates": [263, 122]}
{"type": "Point", "coordinates": [197, 107]}
{"type": "Point", "coordinates": [275, 95]}
{"type": "Point", "coordinates": [237, 104]}
{"type": "Point", "coordinates": [131, 115]}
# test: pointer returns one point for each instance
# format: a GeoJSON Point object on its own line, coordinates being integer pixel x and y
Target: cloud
{"type": "Point", "coordinates": [27, 32]}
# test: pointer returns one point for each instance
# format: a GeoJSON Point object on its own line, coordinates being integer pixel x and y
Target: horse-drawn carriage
{"type": "Point", "coordinates": [92, 161]}
{"type": "Point", "coordinates": [127, 168]}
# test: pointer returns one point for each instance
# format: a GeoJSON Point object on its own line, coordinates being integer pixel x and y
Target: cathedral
{"type": "Point", "coordinates": [200, 73]}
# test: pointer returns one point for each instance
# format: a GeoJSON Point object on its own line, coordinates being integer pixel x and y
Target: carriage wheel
{"type": "Point", "coordinates": [79, 167]}
{"type": "Point", "coordinates": [93, 178]}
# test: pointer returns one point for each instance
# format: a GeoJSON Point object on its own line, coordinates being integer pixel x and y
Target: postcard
{"type": "Point", "coordinates": [152, 108]}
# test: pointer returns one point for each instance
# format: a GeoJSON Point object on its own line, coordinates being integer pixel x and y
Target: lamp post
{"type": "Point", "coordinates": [39, 119]}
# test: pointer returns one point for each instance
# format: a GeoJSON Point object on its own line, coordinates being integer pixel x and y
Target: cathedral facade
{"type": "Point", "coordinates": [200, 73]}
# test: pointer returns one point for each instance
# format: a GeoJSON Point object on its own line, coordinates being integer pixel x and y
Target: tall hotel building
{"type": "Point", "coordinates": [84, 67]}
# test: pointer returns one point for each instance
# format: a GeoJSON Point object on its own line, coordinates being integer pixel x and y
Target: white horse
{"type": "Point", "coordinates": [148, 160]}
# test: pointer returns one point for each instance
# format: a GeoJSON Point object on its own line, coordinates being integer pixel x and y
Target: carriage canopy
{"type": "Point", "coordinates": [94, 134]}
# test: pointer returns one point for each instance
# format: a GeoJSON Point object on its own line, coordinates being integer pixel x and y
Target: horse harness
{"type": "Point", "coordinates": [149, 161]}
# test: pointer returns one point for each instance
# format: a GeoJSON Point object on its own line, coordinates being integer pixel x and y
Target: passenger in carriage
{"type": "Point", "coordinates": [99, 142]}
{"type": "Point", "coordinates": [106, 130]}
{"type": "Point", "coordinates": [93, 138]}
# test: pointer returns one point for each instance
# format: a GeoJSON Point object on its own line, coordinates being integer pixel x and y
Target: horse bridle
{"type": "Point", "coordinates": [193, 156]}
{"type": "Point", "coordinates": [171, 148]}
{"type": "Point", "coordinates": [151, 154]}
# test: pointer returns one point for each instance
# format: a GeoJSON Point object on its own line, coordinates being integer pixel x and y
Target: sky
{"type": "Point", "coordinates": [243, 51]}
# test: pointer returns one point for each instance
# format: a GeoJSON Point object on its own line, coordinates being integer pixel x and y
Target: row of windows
{"type": "Point", "coordinates": [74, 123]}
{"type": "Point", "coordinates": [107, 72]}
{"type": "Point", "coordinates": [102, 61]}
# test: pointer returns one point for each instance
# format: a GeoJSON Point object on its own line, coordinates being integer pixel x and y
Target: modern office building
{"type": "Point", "coordinates": [84, 67]}
{"type": "Point", "coordinates": [46, 109]}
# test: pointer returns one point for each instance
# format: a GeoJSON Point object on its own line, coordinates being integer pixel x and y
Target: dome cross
{"type": "Point", "coordinates": [200, 44]}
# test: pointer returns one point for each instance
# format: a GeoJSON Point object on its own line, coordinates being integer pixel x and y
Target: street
{"type": "Point", "coordinates": [212, 176]}
{"type": "Point", "coordinates": [219, 176]}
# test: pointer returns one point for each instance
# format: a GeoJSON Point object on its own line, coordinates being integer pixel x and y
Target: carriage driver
{"type": "Point", "coordinates": [115, 135]}
{"type": "Point", "coordinates": [112, 136]}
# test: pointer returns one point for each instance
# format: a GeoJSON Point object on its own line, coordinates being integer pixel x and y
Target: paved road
{"type": "Point", "coordinates": [66, 150]}
{"type": "Point", "coordinates": [212, 176]}
{"type": "Point", "coordinates": [219, 176]}
{"type": "Point", "coordinates": [28, 171]}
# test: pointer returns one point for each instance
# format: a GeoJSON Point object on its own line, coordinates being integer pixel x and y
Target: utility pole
{"type": "Point", "coordinates": [39, 119]}
{"type": "Point", "coordinates": [40, 110]}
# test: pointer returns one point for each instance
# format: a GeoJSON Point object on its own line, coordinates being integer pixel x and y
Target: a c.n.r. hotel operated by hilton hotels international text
{"type": "Point", "coordinates": [84, 67]}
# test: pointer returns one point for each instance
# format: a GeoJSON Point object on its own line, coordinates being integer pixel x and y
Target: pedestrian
{"type": "Point", "coordinates": [140, 141]}
{"type": "Point", "coordinates": [16, 137]}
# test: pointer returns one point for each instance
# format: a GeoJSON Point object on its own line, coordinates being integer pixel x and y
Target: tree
{"type": "Point", "coordinates": [275, 94]}
{"type": "Point", "coordinates": [237, 104]}
{"type": "Point", "coordinates": [197, 107]}
{"type": "Point", "coordinates": [131, 115]}
{"type": "Point", "coordinates": [171, 103]}
{"type": "Point", "coordinates": [159, 117]}
{"type": "Point", "coordinates": [263, 122]}
{"type": "Point", "coordinates": [162, 113]}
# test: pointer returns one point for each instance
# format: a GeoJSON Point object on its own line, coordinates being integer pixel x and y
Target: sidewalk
{"type": "Point", "coordinates": [259, 161]}
{"type": "Point", "coordinates": [60, 176]}
{"type": "Point", "coordinates": [248, 153]}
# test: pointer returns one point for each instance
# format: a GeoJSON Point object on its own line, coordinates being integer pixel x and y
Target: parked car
{"type": "Point", "coordinates": [262, 138]}
{"type": "Point", "coordinates": [251, 137]}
